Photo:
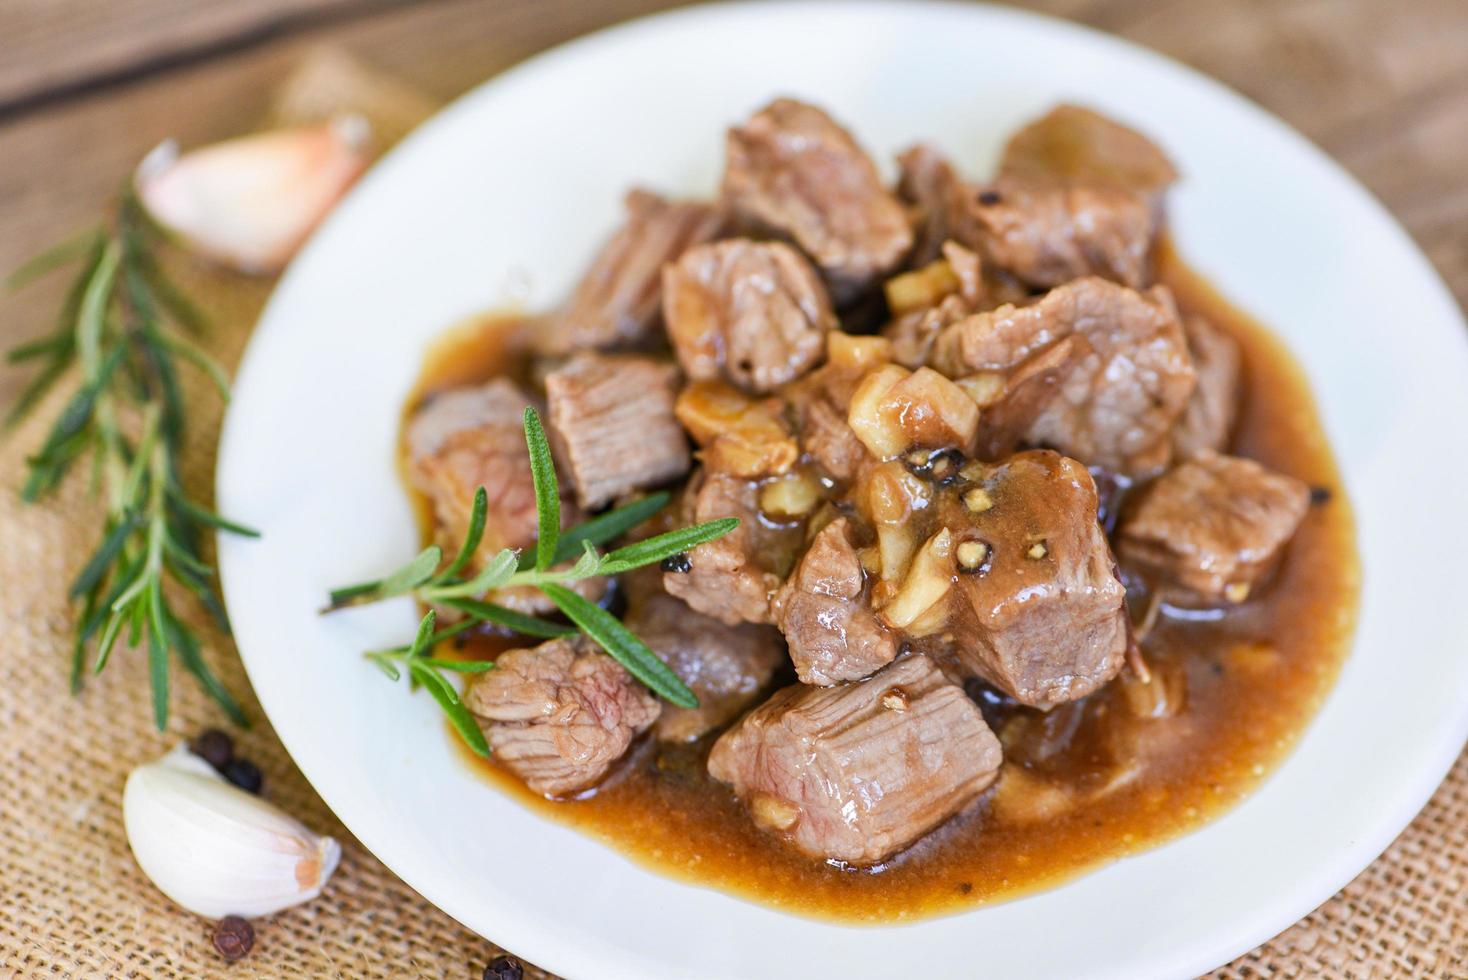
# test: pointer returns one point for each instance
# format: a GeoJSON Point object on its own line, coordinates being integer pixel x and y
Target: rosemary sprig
{"type": "Point", "coordinates": [423, 579]}
{"type": "Point", "coordinates": [124, 326]}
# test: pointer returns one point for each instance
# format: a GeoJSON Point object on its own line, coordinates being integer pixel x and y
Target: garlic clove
{"type": "Point", "coordinates": [249, 203]}
{"type": "Point", "coordinates": [215, 849]}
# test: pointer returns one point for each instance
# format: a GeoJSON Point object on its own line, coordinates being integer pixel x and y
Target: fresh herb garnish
{"type": "Point", "coordinates": [127, 327]}
{"type": "Point", "coordinates": [422, 579]}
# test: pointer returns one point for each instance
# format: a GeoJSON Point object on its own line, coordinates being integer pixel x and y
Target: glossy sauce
{"type": "Point", "coordinates": [1085, 784]}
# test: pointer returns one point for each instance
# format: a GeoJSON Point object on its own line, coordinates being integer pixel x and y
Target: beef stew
{"type": "Point", "coordinates": [997, 504]}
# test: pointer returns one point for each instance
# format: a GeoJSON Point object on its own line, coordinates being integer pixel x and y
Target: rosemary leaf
{"type": "Point", "coordinates": [425, 632]}
{"type": "Point", "coordinates": [52, 345]}
{"type": "Point", "coordinates": [186, 646]}
{"type": "Point", "coordinates": [194, 511]}
{"type": "Point", "coordinates": [79, 641]}
{"type": "Point", "coordinates": [473, 537]}
{"type": "Point", "coordinates": [108, 640]}
{"type": "Point", "coordinates": [448, 699]}
{"type": "Point", "coordinates": [459, 666]}
{"type": "Point", "coordinates": [622, 644]}
{"type": "Point", "coordinates": [414, 573]}
{"type": "Point", "coordinates": [158, 656]}
{"type": "Point", "coordinates": [200, 360]}
{"type": "Point", "coordinates": [657, 548]}
{"type": "Point", "coordinates": [604, 527]}
{"type": "Point", "coordinates": [77, 414]}
{"type": "Point", "coordinates": [177, 552]}
{"type": "Point", "coordinates": [547, 491]}
{"type": "Point", "coordinates": [509, 619]}
{"type": "Point", "coordinates": [34, 391]}
{"type": "Point", "coordinates": [385, 665]}
{"type": "Point", "coordinates": [91, 316]}
{"type": "Point", "coordinates": [492, 576]}
{"type": "Point", "coordinates": [102, 559]}
{"type": "Point", "coordinates": [58, 255]}
{"type": "Point", "coordinates": [402, 581]}
{"type": "Point", "coordinates": [588, 564]}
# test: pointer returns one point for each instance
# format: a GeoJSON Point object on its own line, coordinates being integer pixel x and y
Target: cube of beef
{"type": "Point", "coordinates": [1210, 413]}
{"type": "Point", "coordinates": [1047, 233]}
{"type": "Point", "coordinates": [1213, 526]}
{"type": "Point", "coordinates": [1020, 397]}
{"type": "Point", "coordinates": [612, 425]}
{"type": "Point", "coordinates": [731, 578]}
{"type": "Point", "coordinates": [752, 312]}
{"type": "Point", "coordinates": [858, 772]}
{"type": "Point", "coordinates": [1036, 607]}
{"type": "Point", "coordinates": [464, 438]}
{"type": "Point", "coordinates": [1078, 145]}
{"type": "Point", "coordinates": [1116, 397]}
{"type": "Point", "coordinates": [558, 715]}
{"type": "Point", "coordinates": [725, 666]}
{"type": "Point", "coordinates": [913, 334]}
{"type": "Point", "coordinates": [824, 610]}
{"type": "Point", "coordinates": [619, 300]}
{"type": "Point", "coordinates": [824, 432]}
{"type": "Point", "coordinates": [791, 171]}
{"type": "Point", "coordinates": [929, 183]}
{"type": "Point", "coordinates": [1043, 229]}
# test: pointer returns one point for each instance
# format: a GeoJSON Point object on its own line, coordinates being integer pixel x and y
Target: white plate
{"type": "Point", "coordinates": [516, 183]}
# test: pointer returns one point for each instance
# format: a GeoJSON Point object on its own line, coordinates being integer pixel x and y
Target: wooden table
{"type": "Point", "coordinates": [86, 88]}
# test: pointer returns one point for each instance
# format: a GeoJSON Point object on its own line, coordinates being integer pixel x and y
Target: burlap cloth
{"type": "Point", "coordinates": [73, 903]}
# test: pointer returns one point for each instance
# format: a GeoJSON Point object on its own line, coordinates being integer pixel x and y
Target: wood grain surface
{"type": "Point", "coordinates": [87, 87]}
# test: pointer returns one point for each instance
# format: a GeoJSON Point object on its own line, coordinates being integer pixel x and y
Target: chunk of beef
{"type": "Point", "coordinates": [928, 181]}
{"type": "Point", "coordinates": [1047, 233]}
{"type": "Point", "coordinates": [821, 400]}
{"type": "Point", "coordinates": [1078, 145]}
{"type": "Point", "coordinates": [558, 715]}
{"type": "Point", "coordinates": [725, 666]}
{"type": "Point", "coordinates": [1036, 607]}
{"type": "Point", "coordinates": [731, 578]}
{"type": "Point", "coordinates": [1213, 525]}
{"type": "Point", "coordinates": [612, 424]}
{"type": "Point", "coordinates": [465, 438]}
{"type": "Point", "coordinates": [1024, 394]}
{"type": "Point", "coordinates": [1116, 397]}
{"type": "Point", "coordinates": [1210, 414]}
{"type": "Point", "coordinates": [793, 172]}
{"type": "Point", "coordinates": [858, 772]}
{"type": "Point", "coordinates": [825, 613]}
{"type": "Point", "coordinates": [825, 435]}
{"type": "Point", "coordinates": [618, 301]}
{"type": "Point", "coordinates": [913, 334]}
{"type": "Point", "coordinates": [752, 312]}
{"type": "Point", "coordinates": [1042, 229]}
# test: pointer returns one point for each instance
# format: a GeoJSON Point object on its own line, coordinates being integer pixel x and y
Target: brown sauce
{"type": "Point", "coordinates": [1083, 785]}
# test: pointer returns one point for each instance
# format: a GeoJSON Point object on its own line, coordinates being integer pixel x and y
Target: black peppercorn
{"type": "Point", "coordinates": [233, 937]}
{"type": "Point", "coordinates": [678, 564]}
{"type": "Point", "coordinates": [504, 968]}
{"type": "Point", "coordinates": [244, 774]}
{"type": "Point", "coordinates": [1319, 495]}
{"type": "Point", "coordinates": [214, 747]}
{"type": "Point", "coordinates": [989, 197]}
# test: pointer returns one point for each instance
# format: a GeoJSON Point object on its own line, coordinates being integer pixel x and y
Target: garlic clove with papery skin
{"type": "Point", "coordinates": [215, 849]}
{"type": "Point", "coordinates": [249, 203]}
